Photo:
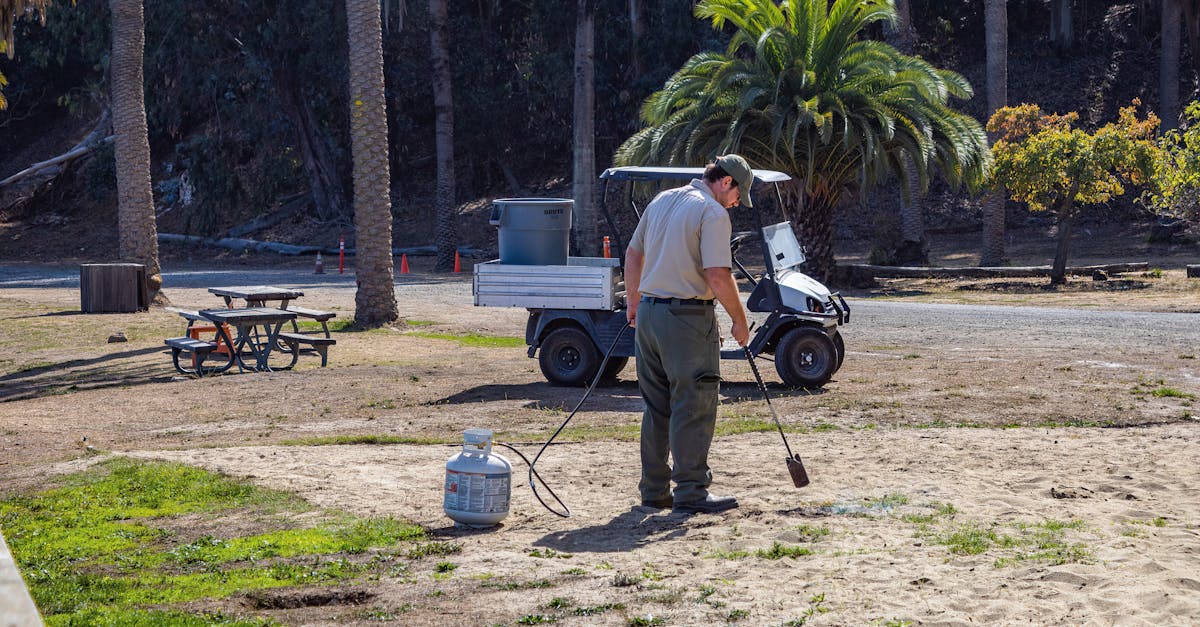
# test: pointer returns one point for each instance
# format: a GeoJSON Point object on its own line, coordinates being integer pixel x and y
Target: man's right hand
{"type": "Point", "coordinates": [741, 333]}
{"type": "Point", "coordinates": [631, 313]}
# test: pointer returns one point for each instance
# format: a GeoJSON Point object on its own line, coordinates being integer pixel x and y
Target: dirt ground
{"type": "Point", "coordinates": [1012, 431]}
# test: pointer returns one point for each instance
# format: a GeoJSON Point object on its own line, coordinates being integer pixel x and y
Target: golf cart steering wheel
{"type": "Point", "coordinates": [735, 242]}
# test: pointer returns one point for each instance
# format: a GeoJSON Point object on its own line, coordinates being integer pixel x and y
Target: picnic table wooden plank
{"type": "Point", "coordinates": [248, 316]}
{"type": "Point", "coordinates": [256, 292]}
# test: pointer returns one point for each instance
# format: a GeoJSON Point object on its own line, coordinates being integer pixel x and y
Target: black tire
{"type": "Point", "coordinates": [613, 368]}
{"type": "Point", "coordinates": [805, 357]}
{"type": "Point", "coordinates": [568, 357]}
{"type": "Point", "coordinates": [840, 345]}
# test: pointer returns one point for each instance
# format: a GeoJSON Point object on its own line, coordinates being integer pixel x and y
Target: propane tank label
{"type": "Point", "coordinates": [476, 492]}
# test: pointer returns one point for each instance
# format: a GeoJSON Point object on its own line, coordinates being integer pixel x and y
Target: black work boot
{"type": "Point", "coordinates": [707, 505]}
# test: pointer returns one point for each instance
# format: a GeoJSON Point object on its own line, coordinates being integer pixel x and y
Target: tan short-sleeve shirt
{"type": "Point", "coordinates": [683, 231]}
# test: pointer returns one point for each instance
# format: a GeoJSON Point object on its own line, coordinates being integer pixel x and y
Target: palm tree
{"type": "Point", "coordinates": [799, 89]}
{"type": "Point", "coordinates": [137, 231]}
{"type": "Point", "coordinates": [996, 24]}
{"type": "Point", "coordinates": [136, 228]}
{"type": "Point", "coordinates": [584, 144]}
{"type": "Point", "coordinates": [443, 105]}
{"type": "Point", "coordinates": [375, 298]}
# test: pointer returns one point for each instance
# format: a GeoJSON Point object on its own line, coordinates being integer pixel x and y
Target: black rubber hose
{"type": "Point", "coordinates": [533, 474]}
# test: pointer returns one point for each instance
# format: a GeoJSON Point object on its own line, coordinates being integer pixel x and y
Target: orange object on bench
{"type": "Point", "coordinates": [195, 331]}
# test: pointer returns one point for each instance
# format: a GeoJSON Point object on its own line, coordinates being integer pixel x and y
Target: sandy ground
{"type": "Point", "coordinates": [905, 448]}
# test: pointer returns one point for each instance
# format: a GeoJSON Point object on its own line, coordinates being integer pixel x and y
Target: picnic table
{"type": "Point", "coordinates": [257, 330]}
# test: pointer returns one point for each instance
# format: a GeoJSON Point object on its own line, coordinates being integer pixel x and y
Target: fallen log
{"type": "Point", "coordinates": [94, 138]}
{"type": "Point", "coordinates": [862, 270]}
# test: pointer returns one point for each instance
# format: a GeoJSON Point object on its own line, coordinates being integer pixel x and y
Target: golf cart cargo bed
{"type": "Point", "coordinates": [584, 283]}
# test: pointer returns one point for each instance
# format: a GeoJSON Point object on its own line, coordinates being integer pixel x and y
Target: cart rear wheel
{"type": "Point", "coordinates": [614, 367]}
{"type": "Point", "coordinates": [569, 357]}
{"type": "Point", "coordinates": [805, 358]}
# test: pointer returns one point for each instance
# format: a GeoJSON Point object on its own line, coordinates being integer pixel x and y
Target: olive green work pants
{"type": "Point", "coordinates": [678, 367]}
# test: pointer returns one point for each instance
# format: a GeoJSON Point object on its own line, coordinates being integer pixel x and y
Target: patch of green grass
{"type": "Point", "coordinates": [887, 501]}
{"type": "Point", "coordinates": [593, 610]}
{"type": "Point", "coordinates": [549, 554]}
{"type": "Point", "coordinates": [810, 533]}
{"type": "Point", "coordinates": [779, 551]}
{"type": "Point", "coordinates": [649, 620]}
{"type": "Point", "coordinates": [474, 340]}
{"type": "Point", "coordinates": [1042, 541]}
{"type": "Point", "coordinates": [1169, 392]}
{"type": "Point", "coordinates": [154, 618]}
{"type": "Point", "coordinates": [377, 439]}
{"type": "Point", "coordinates": [816, 605]}
{"type": "Point", "coordinates": [419, 323]}
{"type": "Point", "coordinates": [624, 580]}
{"type": "Point", "coordinates": [334, 325]}
{"type": "Point", "coordinates": [536, 619]}
{"type": "Point", "coordinates": [445, 567]}
{"type": "Point", "coordinates": [103, 543]}
{"type": "Point", "coordinates": [558, 603]}
{"type": "Point", "coordinates": [574, 571]}
{"type": "Point", "coordinates": [426, 549]}
{"type": "Point", "coordinates": [736, 615]}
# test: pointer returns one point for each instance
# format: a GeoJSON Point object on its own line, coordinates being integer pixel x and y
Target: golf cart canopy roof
{"type": "Point", "coordinates": [654, 173]}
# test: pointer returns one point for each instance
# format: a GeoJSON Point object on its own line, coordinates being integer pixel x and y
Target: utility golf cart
{"type": "Point", "coordinates": [577, 310]}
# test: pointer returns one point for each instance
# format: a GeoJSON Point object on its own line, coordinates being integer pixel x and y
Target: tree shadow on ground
{"type": "Point", "coordinates": [105, 371]}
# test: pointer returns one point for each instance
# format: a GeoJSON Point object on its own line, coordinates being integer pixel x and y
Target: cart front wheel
{"type": "Point", "coordinates": [840, 345]}
{"type": "Point", "coordinates": [568, 357]}
{"type": "Point", "coordinates": [806, 358]}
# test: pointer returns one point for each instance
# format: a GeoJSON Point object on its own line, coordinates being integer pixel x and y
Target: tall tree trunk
{"type": "Point", "coordinates": [1066, 220]}
{"type": "Point", "coordinates": [1191, 21]}
{"type": "Point", "coordinates": [375, 298]}
{"type": "Point", "coordinates": [996, 19]}
{"type": "Point", "coordinates": [443, 106]}
{"type": "Point", "coordinates": [913, 249]}
{"type": "Point", "coordinates": [904, 36]}
{"type": "Point", "coordinates": [1062, 27]}
{"type": "Point", "coordinates": [584, 173]}
{"type": "Point", "coordinates": [137, 231]}
{"type": "Point", "coordinates": [316, 152]}
{"type": "Point", "coordinates": [637, 28]}
{"type": "Point", "coordinates": [1168, 65]}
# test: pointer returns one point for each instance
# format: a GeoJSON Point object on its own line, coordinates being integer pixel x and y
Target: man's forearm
{"type": "Point", "coordinates": [720, 281]}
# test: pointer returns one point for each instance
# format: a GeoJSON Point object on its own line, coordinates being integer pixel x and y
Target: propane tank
{"type": "Point", "coordinates": [478, 482]}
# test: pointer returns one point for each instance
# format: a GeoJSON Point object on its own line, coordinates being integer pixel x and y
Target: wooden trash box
{"type": "Point", "coordinates": [113, 288]}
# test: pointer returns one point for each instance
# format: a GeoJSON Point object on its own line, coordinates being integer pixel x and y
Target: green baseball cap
{"type": "Point", "coordinates": [737, 167]}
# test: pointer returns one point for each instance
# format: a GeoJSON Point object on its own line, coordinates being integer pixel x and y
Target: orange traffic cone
{"type": "Point", "coordinates": [403, 263]}
{"type": "Point", "coordinates": [457, 263]}
{"type": "Point", "coordinates": [320, 269]}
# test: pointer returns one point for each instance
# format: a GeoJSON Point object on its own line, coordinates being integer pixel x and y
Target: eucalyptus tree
{"type": "Point", "coordinates": [799, 88]}
{"type": "Point", "coordinates": [375, 298]}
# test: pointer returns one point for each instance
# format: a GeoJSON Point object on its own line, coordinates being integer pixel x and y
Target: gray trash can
{"type": "Point", "coordinates": [533, 231]}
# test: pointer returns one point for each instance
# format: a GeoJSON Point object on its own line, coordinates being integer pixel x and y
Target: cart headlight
{"type": "Point", "coordinates": [815, 305]}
